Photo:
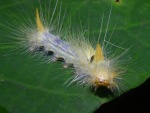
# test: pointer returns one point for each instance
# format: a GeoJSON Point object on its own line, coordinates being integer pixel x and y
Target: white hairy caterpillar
{"type": "Point", "coordinates": [91, 64]}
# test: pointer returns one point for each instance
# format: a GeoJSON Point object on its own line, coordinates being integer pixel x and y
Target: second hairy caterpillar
{"type": "Point", "coordinates": [92, 65]}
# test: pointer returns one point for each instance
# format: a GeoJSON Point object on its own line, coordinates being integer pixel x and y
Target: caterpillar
{"type": "Point", "coordinates": [92, 65]}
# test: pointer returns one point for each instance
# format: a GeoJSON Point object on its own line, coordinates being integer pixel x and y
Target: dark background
{"type": "Point", "coordinates": [136, 100]}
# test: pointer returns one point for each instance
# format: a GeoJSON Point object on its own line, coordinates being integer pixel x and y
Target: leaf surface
{"type": "Point", "coordinates": [29, 86]}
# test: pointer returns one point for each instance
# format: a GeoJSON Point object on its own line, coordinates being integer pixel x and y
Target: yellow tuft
{"type": "Point", "coordinates": [38, 22]}
{"type": "Point", "coordinates": [98, 54]}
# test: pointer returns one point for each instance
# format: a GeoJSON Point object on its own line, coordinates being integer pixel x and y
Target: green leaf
{"type": "Point", "coordinates": [29, 86]}
{"type": "Point", "coordinates": [3, 110]}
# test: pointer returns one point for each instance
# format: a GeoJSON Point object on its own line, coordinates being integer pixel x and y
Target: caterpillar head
{"type": "Point", "coordinates": [102, 72]}
{"type": "Point", "coordinates": [103, 77]}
